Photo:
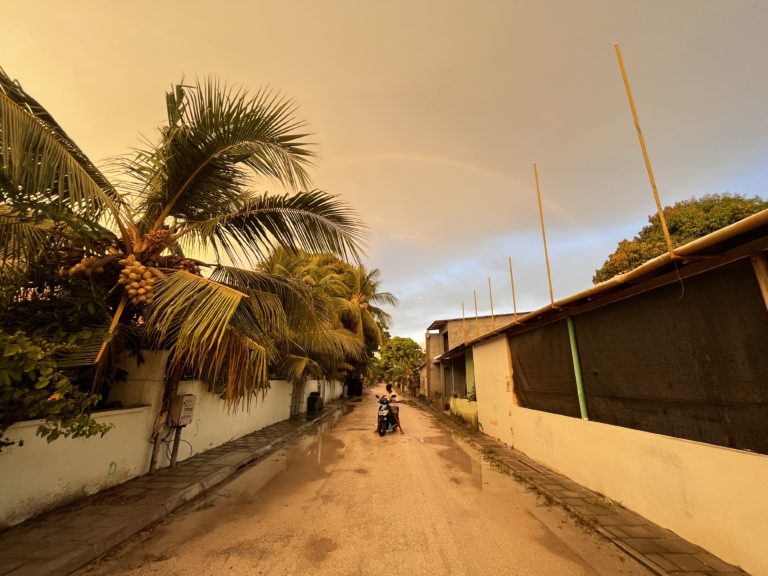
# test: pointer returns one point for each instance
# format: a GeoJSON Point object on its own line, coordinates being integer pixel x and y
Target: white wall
{"type": "Point", "coordinates": [494, 389]}
{"type": "Point", "coordinates": [709, 495]}
{"type": "Point", "coordinates": [330, 390]}
{"type": "Point", "coordinates": [214, 424]}
{"type": "Point", "coordinates": [37, 476]}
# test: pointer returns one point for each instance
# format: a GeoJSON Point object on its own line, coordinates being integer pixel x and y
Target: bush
{"type": "Point", "coordinates": [33, 386]}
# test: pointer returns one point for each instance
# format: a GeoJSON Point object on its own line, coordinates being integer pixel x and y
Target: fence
{"type": "Point", "coordinates": [686, 360]}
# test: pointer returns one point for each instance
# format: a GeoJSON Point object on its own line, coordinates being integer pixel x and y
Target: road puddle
{"type": "Point", "coordinates": [456, 457]}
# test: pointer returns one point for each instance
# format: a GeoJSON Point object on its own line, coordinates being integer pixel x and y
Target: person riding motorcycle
{"type": "Point", "coordinates": [394, 408]}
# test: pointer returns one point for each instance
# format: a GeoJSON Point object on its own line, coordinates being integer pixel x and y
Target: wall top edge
{"type": "Point", "coordinates": [99, 415]}
{"type": "Point", "coordinates": [580, 422]}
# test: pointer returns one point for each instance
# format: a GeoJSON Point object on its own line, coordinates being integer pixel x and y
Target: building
{"type": "Point", "coordinates": [448, 371]}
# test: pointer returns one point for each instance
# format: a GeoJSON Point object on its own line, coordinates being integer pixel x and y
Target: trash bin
{"type": "Point", "coordinates": [355, 387]}
{"type": "Point", "coordinates": [314, 402]}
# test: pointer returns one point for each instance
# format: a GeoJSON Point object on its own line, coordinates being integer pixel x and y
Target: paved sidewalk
{"type": "Point", "coordinates": [67, 538]}
{"type": "Point", "coordinates": [660, 550]}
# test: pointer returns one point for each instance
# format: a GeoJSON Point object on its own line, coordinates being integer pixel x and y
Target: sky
{"type": "Point", "coordinates": [429, 114]}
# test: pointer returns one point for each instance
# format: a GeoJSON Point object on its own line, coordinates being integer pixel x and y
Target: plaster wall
{"type": "Point", "coordinates": [330, 390]}
{"type": "Point", "coordinates": [38, 476]}
{"type": "Point", "coordinates": [466, 410]}
{"type": "Point", "coordinates": [709, 495]}
{"type": "Point", "coordinates": [214, 423]}
{"type": "Point", "coordinates": [495, 398]}
{"type": "Point", "coordinates": [471, 328]}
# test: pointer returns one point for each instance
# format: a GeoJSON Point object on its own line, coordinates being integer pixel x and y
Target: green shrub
{"type": "Point", "coordinates": [33, 386]}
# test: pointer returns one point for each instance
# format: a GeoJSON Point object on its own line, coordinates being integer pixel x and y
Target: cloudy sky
{"type": "Point", "coordinates": [429, 115]}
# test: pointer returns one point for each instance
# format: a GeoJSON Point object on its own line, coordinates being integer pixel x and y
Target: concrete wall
{"type": "Point", "coordinates": [434, 347]}
{"type": "Point", "coordinates": [456, 328]}
{"type": "Point", "coordinates": [213, 423]}
{"type": "Point", "coordinates": [709, 495]}
{"type": "Point", "coordinates": [493, 384]}
{"type": "Point", "coordinates": [465, 410]}
{"type": "Point", "coordinates": [38, 476]}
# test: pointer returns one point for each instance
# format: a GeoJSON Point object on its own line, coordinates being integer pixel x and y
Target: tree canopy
{"type": "Point", "coordinates": [399, 361]}
{"type": "Point", "coordinates": [687, 220]}
{"type": "Point", "coordinates": [350, 297]}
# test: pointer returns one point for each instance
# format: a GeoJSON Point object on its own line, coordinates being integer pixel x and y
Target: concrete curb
{"type": "Point", "coordinates": [659, 550]}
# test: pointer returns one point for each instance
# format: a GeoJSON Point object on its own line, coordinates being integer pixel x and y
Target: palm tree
{"type": "Point", "coordinates": [350, 293]}
{"type": "Point", "coordinates": [315, 345]}
{"type": "Point", "coordinates": [365, 299]}
{"type": "Point", "coordinates": [190, 192]}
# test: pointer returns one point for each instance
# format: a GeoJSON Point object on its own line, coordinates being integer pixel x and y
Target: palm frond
{"type": "Point", "coordinates": [240, 364]}
{"type": "Point", "coordinates": [22, 236]}
{"type": "Point", "coordinates": [310, 221]}
{"type": "Point", "coordinates": [202, 321]}
{"type": "Point", "coordinates": [296, 300]}
{"type": "Point", "coordinates": [216, 140]}
{"type": "Point", "coordinates": [39, 162]}
{"type": "Point", "coordinates": [334, 344]}
{"type": "Point", "coordinates": [192, 309]}
{"type": "Point", "coordinates": [297, 368]}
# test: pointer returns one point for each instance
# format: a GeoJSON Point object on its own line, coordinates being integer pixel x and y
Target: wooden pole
{"type": "Point", "coordinates": [477, 320]}
{"type": "Point", "coordinates": [760, 265]}
{"type": "Point", "coordinates": [490, 292]}
{"type": "Point", "coordinates": [543, 233]}
{"type": "Point", "coordinates": [640, 137]}
{"type": "Point", "coordinates": [512, 281]}
{"type": "Point", "coordinates": [463, 323]}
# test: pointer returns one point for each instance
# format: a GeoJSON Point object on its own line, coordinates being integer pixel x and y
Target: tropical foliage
{"type": "Point", "coordinates": [349, 298]}
{"type": "Point", "coordinates": [120, 251]}
{"type": "Point", "coordinates": [399, 362]}
{"type": "Point", "coordinates": [686, 220]}
{"type": "Point", "coordinates": [34, 385]}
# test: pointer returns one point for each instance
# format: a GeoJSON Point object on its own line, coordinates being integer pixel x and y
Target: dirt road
{"type": "Point", "coordinates": [347, 502]}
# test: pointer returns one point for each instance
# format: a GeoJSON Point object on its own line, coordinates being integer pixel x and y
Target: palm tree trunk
{"type": "Point", "coordinates": [172, 377]}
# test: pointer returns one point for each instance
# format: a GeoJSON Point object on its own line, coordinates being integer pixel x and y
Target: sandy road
{"type": "Point", "coordinates": [347, 502]}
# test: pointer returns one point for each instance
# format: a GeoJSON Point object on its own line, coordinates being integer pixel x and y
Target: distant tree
{"type": "Point", "coordinates": [687, 220]}
{"type": "Point", "coordinates": [399, 361]}
{"type": "Point", "coordinates": [346, 294]}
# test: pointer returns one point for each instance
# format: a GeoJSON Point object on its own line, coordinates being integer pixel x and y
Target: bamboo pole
{"type": "Point", "coordinates": [577, 369]}
{"type": "Point", "coordinates": [463, 323]}
{"type": "Point", "coordinates": [640, 137]}
{"type": "Point", "coordinates": [543, 234]}
{"type": "Point", "coordinates": [760, 265]}
{"type": "Point", "coordinates": [477, 320]}
{"type": "Point", "coordinates": [512, 281]}
{"type": "Point", "coordinates": [490, 292]}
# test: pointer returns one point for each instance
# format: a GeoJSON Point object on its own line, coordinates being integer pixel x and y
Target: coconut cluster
{"type": "Point", "coordinates": [137, 280]}
{"type": "Point", "coordinates": [86, 266]}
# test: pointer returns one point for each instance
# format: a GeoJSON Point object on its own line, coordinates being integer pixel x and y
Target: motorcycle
{"type": "Point", "coordinates": [386, 421]}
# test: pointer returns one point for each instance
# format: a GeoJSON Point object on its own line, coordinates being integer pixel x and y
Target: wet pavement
{"type": "Point", "coordinates": [63, 540]}
{"type": "Point", "coordinates": [332, 497]}
{"type": "Point", "coordinates": [343, 500]}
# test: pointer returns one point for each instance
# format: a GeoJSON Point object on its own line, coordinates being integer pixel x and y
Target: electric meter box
{"type": "Point", "coordinates": [182, 408]}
